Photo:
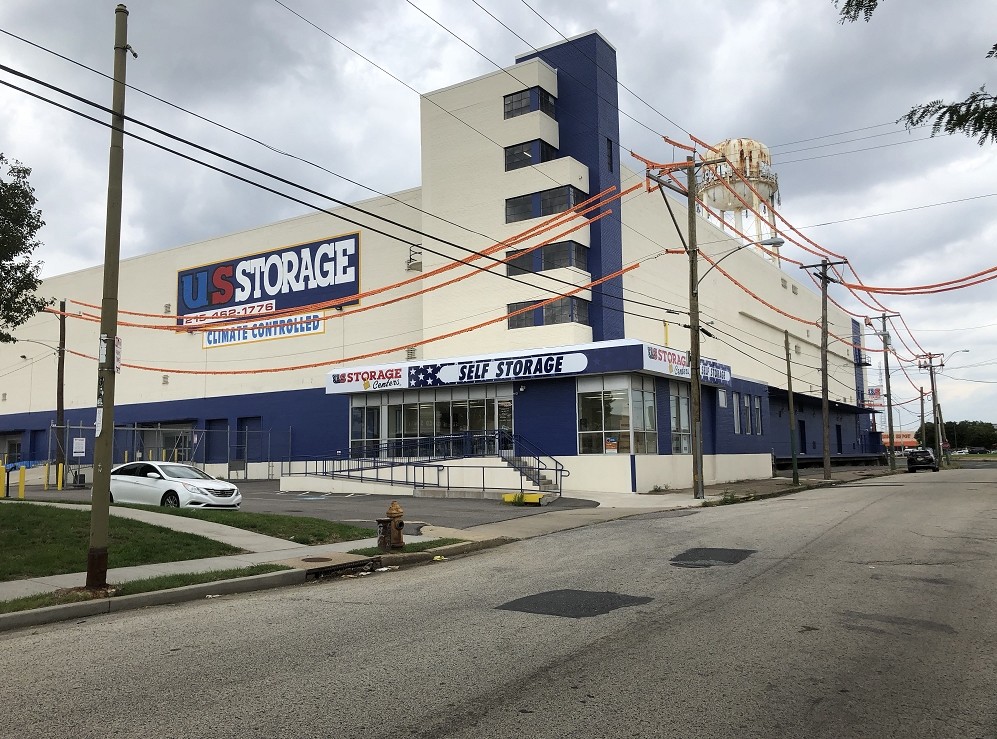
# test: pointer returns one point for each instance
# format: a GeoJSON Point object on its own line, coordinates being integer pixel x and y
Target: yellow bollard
{"type": "Point", "coordinates": [20, 483]}
{"type": "Point", "coordinates": [126, 456]}
{"type": "Point", "coordinates": [45, 484]}
{"type": "Point", "coordinates": [58, 477]}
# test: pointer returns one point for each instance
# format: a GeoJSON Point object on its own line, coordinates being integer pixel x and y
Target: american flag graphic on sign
{"type": "Point", "coordinates": [424, 375]}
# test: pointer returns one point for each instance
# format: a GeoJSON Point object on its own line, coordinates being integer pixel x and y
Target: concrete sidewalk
{"type": "Point", "coordinates": [308, 560]}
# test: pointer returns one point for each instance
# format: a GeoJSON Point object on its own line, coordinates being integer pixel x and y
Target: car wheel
{"type": "Point", "coordinates": [934, 469]}
{"type": "Point", "coordinates": [171, 500]}
{"type": "Point", "coordinates": [910, 469]}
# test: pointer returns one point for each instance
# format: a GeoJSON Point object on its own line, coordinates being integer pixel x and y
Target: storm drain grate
{"type": "Point", "coordinates": [316, 559]}
{"type": "Point", "coordinates": [573, 603]}
{"type": "Point", "coordinates": [710, 557]}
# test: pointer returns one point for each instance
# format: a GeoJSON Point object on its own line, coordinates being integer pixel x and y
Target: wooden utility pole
{"type": "Point", "coordinates": [792, 413]}
{"type": "Point", "coordinates": [824, 402]}
{"type": "Point", "coordinates": [889, 401]}
{"type": "Point", "coordinates": [698, 490]}
{"type": "Point", "coordinates": [60, 394]}
{"type": "Point", "coordinates": [107, 365]}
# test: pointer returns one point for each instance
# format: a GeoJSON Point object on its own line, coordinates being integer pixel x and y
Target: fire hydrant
{"type": "Point", "coordinates": [389, 530]}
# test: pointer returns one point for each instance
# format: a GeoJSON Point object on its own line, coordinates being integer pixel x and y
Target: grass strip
{"type": "Point", "coordinates": [299, 529]}
{"type": "Point", "coordinates": [164, 582]}
{"type": "Point", "coordinates": [418, 546]}
{"type": "Point", "coordinates": [38, 541]}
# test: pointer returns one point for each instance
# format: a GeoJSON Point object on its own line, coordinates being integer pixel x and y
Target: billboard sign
{"type": "Point", "coordinates": [277, 280]}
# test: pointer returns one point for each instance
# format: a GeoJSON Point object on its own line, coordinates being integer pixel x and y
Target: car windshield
{"type": "Point", "coordinates": [183, 472]}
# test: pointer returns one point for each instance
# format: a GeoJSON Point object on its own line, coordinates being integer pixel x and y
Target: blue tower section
{"type": "Point", "coordinates": [589, 125]}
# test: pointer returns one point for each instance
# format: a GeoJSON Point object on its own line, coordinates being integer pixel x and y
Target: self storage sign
{"type": "Point", "coordinates": [290, 277]}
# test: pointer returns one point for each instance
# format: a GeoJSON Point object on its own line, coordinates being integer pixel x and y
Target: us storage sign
{"type": "Point", "coordinates": [252, 286]}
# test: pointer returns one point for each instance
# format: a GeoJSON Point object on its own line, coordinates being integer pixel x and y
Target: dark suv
{"type": "Point", "coordinates": [921, 459]}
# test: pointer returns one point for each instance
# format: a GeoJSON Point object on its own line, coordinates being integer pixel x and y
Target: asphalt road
{"type": "Point", "coordinates": [857, 611]}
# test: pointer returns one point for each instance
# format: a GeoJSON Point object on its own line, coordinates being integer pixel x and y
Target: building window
{"type": "Point", "coordinates": [518, 156]}
{"type": "Point", "coordinates": [679, 399]}
{"type": "Point", "coordinates": [747, 414]}
{"type": "Point", "coordinates": [550, 256]}
{"type": "Point", "coordinates": [528, 153]}
{"type": "Point", "coordinates": [526, 101]}
{"type": "Point", "coordinates": [559, 199]}
{"type": "Point", "coordinates": [547, 102]}
{"type": "Point", "coordinates": [518, 103]}
{"type": "Point", "coordinates": [609, 154]}
{"type": "Point", "coordinates": [644, 411]}
{"type": "Point", "coordinates": [722, 398]}
{"type": "Point", "coordinates": [565, 310]}
{"type": "Point", "coordinates": [524, 319]}
{"type": "Point", "coordinates": [758, 415]}
{"type": "Point", "coordinates": [604, 414]}
{"type": "Point", "coordinates": [736, 402]}
{"type": "Point", "coordinates": [519, 208]}
{"type": "Point", "coordinates": [518, 263]}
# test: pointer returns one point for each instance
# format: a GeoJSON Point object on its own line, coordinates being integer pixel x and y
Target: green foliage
{"type": "Point", "coordinates": [852, 9]}
{"type": "Point", "coordinates": [20, 220]}
{"type": "Point", "coordinates": [37, 541]}
{"type": "Point", "coordinates": [299, 529]}
{"type": "Point", "coordinates": [975, 116]}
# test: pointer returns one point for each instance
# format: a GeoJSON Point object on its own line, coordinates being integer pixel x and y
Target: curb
{"type": "Point", "coordinates": [99, 606]}
{"type": "Point", "coordinates": [466, 547]}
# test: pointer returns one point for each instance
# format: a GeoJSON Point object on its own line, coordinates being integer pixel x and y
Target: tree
{"type": "Point", "coordinates": [975, 116]}
{"type": "Point", "coordinates": [19, 276]}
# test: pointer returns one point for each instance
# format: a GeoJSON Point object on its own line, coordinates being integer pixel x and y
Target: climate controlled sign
{"type": "Point", "coordinates": [258, 284]}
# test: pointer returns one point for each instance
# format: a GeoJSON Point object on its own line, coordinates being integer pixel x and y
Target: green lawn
{"type": "Point", "coordinates": [42, 540]}
{"type": "Point", "coordinates": [299, 529]}
{"type": "Point", "coordinates": [164, 582]}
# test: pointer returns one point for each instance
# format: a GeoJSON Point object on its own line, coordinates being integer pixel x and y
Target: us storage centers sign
{"type": "Point", "coordinates": [256, 286]}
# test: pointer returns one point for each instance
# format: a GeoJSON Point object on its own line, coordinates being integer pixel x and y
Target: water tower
{"type": "Point", "coordinates": [752, 160]}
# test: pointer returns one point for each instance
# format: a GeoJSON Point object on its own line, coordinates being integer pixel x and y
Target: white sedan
{"type": "Point", "coordinates": [172, 485]}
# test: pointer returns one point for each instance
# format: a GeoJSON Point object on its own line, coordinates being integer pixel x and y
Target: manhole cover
{"type": "Point", "coordinates": [573, 603]}
{"type": "Point", "coordinates": [708, 557]}
{"type": "Point", "coordinates": [316, 559]}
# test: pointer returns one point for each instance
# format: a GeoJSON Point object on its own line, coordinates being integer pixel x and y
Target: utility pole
{"type": "Point", "coordinates": [792, 413]}
{"type": "Point", "coordinates": [889, 401]}
{"type": "Point", "coordinates": [824, 403]}
{"type": "Point", "coordinates": [107, 364]}
{"type": "Point", "coordinates": [923, 430]}
{"type": "Point", "coordinates": [698, 491]}
{"type": "Point", "coordinates": [935, 412]}
{"type": "Point", "coordinates": [60, 393]}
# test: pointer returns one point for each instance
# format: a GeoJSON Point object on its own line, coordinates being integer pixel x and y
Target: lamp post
{"type": "Point", "coordinates": [60, 385]}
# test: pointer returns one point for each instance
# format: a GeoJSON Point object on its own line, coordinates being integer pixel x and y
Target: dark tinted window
{"type": "Point", "coordinates": [519, 208]}
{"type": "Point", "coordinates": [518, 103]}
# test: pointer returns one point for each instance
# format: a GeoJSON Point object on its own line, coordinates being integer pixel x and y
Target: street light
{"type": "Point", "coordinates": [773, 241]}
{"type": "Point", "coordinates": [60, 385]}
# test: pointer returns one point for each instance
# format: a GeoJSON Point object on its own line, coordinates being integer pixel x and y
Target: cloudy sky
{"type": "Point", "coordinates": [338, 85]}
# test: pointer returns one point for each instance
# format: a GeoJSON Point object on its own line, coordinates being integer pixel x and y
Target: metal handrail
{"type": "Point", "coordinates": [419, 455]}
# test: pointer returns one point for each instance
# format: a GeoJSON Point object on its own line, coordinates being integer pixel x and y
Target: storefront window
{"type": "Point", "coordinates": [679, 397]}
{"type": "Point", "coordinates": [606, 405]}
{"type": "Point", "coordinates": [433, 422]}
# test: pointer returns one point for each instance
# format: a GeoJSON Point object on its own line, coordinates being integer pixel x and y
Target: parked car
{"type": "Point", "coordinates": [921, 459]}
{"type": "Point", "coordinates": [172, 485]}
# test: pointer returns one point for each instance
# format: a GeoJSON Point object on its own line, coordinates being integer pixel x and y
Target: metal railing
{"type": "Point", "coordinates": [416, 462]}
